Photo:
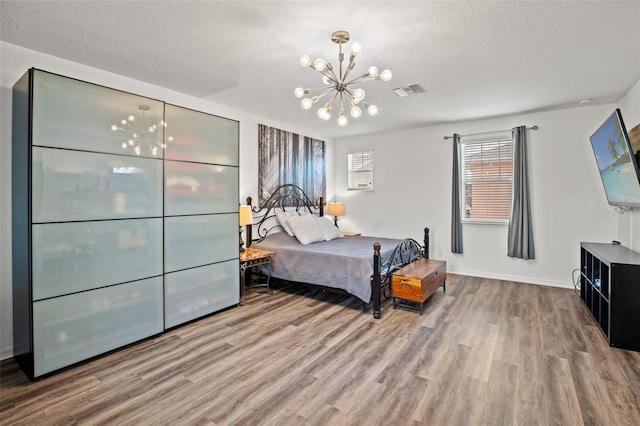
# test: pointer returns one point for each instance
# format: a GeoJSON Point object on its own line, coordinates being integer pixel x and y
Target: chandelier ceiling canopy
{"type": "Point", "coordinates": [338, 86]}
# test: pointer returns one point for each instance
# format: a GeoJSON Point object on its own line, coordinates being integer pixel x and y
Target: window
{"type": "Point", "coordinates": [487, 174]}
{"type": "Point", "coordinates": [361, 170]}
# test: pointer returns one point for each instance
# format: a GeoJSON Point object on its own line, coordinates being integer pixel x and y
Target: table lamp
{"type": "Point", "coordinates": [245, 218]}
{"type": "Point", "coordinates": [335, 209]}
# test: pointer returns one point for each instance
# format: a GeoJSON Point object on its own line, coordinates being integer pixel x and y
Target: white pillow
{"type": "Point", "coordinates": [329, 230]}
{"type": "Point", "coordinates": [282, 220]}
{"type": "Point", "coordinates": [305, 229]}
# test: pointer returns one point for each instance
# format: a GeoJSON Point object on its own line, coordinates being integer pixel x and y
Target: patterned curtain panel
{"type": "Point", "coordinates": [288, 158]}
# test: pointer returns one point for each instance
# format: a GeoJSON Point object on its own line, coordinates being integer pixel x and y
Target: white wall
{"type": "Point", "coordinates": [629, 223]}
{"type": "Point", "coordinates": [14, 63]}
{"type": "Point", "coordinates": [412, 179]}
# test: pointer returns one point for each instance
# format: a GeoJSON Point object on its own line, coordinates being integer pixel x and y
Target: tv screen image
{"type": "Point", "coordinates": [616, 162]}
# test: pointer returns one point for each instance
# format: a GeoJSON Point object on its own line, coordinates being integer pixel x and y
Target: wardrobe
{"type": "Point", "coordinates": [124, 218]}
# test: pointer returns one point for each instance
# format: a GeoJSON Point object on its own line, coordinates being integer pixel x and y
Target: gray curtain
{"type": "Point", "coordinates": [456, 223]}
{"type": "Point", "coordinates": [520, 239]}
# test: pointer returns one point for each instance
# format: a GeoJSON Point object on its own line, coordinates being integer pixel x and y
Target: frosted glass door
{"type": "Point", "coordinates": [69, 113]}
{"type": "Point", "coordinates": [200, 137]}
{"type": "Point", "coordinates": [195, 188]}
{"type": "Point", "coordinates": [73, 328]}
{"type": "Point", "coordinates": [78, 256]}
{"type": "Point", "coordinates": [199, 240]}
{"type": "Point", "coordinates": [73, 185]}
{"type": "Point", "coordinates": [200, 291]}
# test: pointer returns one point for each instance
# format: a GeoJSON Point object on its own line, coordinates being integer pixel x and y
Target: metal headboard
{"type": "Point", "coordinates": [285, 196]}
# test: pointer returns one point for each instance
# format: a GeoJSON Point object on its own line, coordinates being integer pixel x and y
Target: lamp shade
{"type": "Point", "coordinates": [335, 209]}
{"type": "Point", "coordinates": [246, 217]}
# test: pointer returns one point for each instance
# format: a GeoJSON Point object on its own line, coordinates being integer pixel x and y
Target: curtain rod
{"type": "Point", "coordinates": [486, 133]}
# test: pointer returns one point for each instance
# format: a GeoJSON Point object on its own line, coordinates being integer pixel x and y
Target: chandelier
{"type": "Point", "coordinates": [141, 133]}
{"type": "Point", "coordinates": [338, 85]}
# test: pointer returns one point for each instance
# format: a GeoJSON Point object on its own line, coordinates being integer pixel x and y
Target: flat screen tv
{"type": "Point", "coordinates": [616, 162]}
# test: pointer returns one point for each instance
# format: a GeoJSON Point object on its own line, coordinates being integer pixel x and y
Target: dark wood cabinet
{"type": "Point", "coordinates": [610, 288]}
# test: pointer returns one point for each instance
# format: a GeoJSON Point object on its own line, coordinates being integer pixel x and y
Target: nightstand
{"type": "Point", "coordinates": [250, 258]}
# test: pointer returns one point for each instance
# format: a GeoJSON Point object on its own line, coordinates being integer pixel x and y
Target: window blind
{"type": "Point", "coordinates": [487, 168]}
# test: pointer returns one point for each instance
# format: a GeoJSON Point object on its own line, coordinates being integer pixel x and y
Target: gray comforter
{"type": "Point", "coordinates": [344, 263]}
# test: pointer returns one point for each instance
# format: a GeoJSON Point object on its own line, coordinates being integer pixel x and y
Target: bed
{"type": "Point", "coordinates": [355, 265]}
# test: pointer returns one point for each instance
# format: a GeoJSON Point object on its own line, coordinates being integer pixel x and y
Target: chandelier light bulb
{"type": "Point", "coordinates": [131, 118]}
{"type": "Point", "coordinates": [342, 120]}
{"type": "Point", "coordinates": [326, 80]}
{"type": "Point", "coordinates": [358, 95]}
{"type": "Point", "coordinates": [114, 128]}
{"type": "Point", "coordinates": [136, 149]}
{"type": "Point", "coordinates": [306, 103]}
{"type": "Point", "coordinates": [131, 142]}
{"type": "Point", "coordinates": [320, 64]}
{"type": "Point", "coordinates": [356, 112]}
{"type": "Point", "coordinates": [124, 145]}
{"type": "Point", "coordinates": [305, 60]}
{"type": "Point", "coordinates": [372, 110]}
{"type": "Point", "coordinates": [299, 92]}
{"type": "Point", "coordinates": [386, 75]}
{"type": "Point", "coordinates": [323, 114]}
{"type": "Point", "coordinates": [356, 48]}
{"type": "Point", "coordinates": [373, 71]}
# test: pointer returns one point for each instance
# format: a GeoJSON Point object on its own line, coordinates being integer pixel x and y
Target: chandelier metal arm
{"type": "Point", "coordinates": [331, 76]}
{"type": "Point", "coordinates": [362, 78]}
{"type": "Point", "coordinates": [352, 99]}
{"type": "Point", "coordinates": [331, 89]}
{"type": "Point", "coordinates": [329, 105]}
{"type": "Point", "coordinates": [349, 67]}
{"type": "Point", "coordinates": [320, 88]}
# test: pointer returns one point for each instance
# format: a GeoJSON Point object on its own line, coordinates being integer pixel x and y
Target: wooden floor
{"type": "Point", "coordinates": [485, 352]}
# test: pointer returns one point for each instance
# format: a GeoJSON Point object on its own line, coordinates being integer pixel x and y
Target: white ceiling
{"type": "Point", "coordinates": [474, 59]}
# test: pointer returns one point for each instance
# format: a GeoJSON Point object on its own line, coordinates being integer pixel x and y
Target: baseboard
{"type": "Point", "coordinates": [524, 280]}
{"type": "Point", "coordinates": [6, 353]}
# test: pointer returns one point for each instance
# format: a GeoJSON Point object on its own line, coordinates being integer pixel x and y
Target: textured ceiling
{"type": "Point", "coordinates": [474, 59]}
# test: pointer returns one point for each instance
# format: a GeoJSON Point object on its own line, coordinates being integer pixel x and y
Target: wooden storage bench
{"type": "Point", "coordinates": [415, 282]}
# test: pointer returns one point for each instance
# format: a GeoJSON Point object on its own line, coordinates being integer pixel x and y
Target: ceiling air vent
{"type": "Point", "coordinates": [403, 92]}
